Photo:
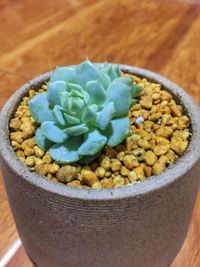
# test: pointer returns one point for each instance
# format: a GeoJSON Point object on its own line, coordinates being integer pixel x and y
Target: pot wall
{"type": "Point", "coordinates": [145, 231]}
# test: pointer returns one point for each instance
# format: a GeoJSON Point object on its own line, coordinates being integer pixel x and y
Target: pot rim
{"type": "Point", "coordinates": [153, 183]}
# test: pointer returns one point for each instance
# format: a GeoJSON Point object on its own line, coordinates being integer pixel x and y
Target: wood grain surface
{"type": "Point", "coordinates": [161, 35]}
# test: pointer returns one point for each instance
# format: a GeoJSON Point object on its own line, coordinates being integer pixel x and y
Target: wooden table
{"type": "Point", "coordinates": [36, 36]}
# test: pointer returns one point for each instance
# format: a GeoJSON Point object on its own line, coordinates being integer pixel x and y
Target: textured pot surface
{"type": "Point", "coordinates": [142, 225]}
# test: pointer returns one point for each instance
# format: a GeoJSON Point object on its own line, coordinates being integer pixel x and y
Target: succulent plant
{"type": "Point", "coordinates": [84, 108]}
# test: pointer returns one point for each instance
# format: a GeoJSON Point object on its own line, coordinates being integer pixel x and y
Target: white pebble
{"type": "Point", "coordinates": [138, 120]}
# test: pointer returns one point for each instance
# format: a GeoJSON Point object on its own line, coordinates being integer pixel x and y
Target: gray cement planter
{"type": "Point", "coordinates": [142, 225]}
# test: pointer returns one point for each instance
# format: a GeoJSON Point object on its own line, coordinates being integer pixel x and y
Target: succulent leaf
{"type": "Point", "coordinates": [96, 92]}
{"type": "Point", "coordinates": [89, 114]}
{"type": "Point", "coordinates": [40, 108]}
{"type": "Point", "coordinates": [76, 130]}
{"type": "Point", "coordinates": [104, 79]}
{"type": "Point", "coordinates": [113, 71]}
{"type": "Point", "coordinates": [126, 79]}
{"type": "Point", "coordinates": [52, 132]}
{"type": "Point", "coordinates": [67, 152]}
{"type": "Point", "coordinates": [70, 119]}
{"type": "Point", "coordinates": [119, 93]}
{"type": "Point", "coordinates": [54, 89]}
{"type": "Point", "coordinates": [104, 67]}
{"type": "Point", "coordinates": [112, 74]}
{"type": "Point", "coordinates": [86, 97]}
{"type": "Point", "coordinates": [58, 115]}
{"type": "Point", "coordinates": [105, 115]}
{"type": "Point", "coordinates": [88, 159]}
{"type": "Point", "coordinates": [117, 70]}
{"type": "Point", "coordinates": [75, 105]}
{"type": "Point", "coordinates": [136, 90]}
{"type": "Point", "coordinates": [85, 107]}
{"type": "Point", "coordinates": [93, 142]}
{"type": "Point", "coordinates": [42, 141]}
{"type": "Point", "coordinates": [75, 93]}
{"type": "Point", "coordinates": [86, 72]}
{"type": "Point", "coordinates": [74, 86]}
{"type": "Point", "coordinates": [63, 99]}
{"type": "Point", "coordinates": [117, 131]}
{"type": "Point", "coordinates": [133, 101]}
{"type": "Point", "coordinates": [63, 74]}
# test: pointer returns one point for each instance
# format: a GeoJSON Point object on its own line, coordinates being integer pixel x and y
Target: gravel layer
{"type": "Point", "coordinates": [159, 135]}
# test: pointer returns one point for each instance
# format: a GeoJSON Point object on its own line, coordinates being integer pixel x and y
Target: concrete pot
{"type": "Point", "coordinates": [142, 225]}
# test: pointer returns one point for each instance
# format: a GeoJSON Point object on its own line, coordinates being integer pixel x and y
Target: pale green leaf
{"type": "Point", "coordinates": [58, 115]}
{"type": "Point", "coordinates": [63, 74]}
{"type": "Point", "coordinates": [117, 131]}
{"type": "Point", "coordinates": [105, 115]}
{"type": "Point", "coordinates": [96, 92]}
{"type": "Point", "coordinates": [54, 89]}
{"type": "Point", "coordinates": [40, 108]}
{"type": "Point", "coordinates": [52, 132]}
{"type": "Point", "coordinates": [119, 93]}
{"type": "Point", "coordinates": [93, 143]}
{"type": "Point", "coordinates": [67, 152]}
{"type": "Point", "coordinates": [76, 130]}
{"type": "Point", "coordinates": [42, 141]}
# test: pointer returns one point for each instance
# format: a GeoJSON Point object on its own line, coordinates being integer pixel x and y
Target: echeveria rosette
{"type": "Point", "coordinates": [84, 108]}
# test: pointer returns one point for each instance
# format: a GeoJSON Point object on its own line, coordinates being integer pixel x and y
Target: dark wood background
{"type": "Point", "coordinates": [161, 35]}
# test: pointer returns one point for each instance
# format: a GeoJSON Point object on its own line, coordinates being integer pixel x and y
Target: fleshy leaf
{"type": "Point", "coordinates": [73, 86]}
{"type": "Point", "coordinates": [75, 93]}
{"type": "Point", "coordinates": [63, 74]}
{"type": "Point", "coordinates": [119, 93]}
{"type": "Point", "coordinates": [93, 143]}
{"type": "Point", "coordinates": [41, 141]}
{"type": "Point", "coordinates": [52, 132]}
{"type": "Point", "coordinates": [96, 92]}
{"type": "Point", "coordinates": [54, 89]}
{"type": "Point", "coordinates": [39, 108]}
{"type": "Point", "coordinates": [88, 159]}
{"type": "Point", "coordinates": [75, 105]}
{"type": "Point", "coordinates": [136, 90]}
{"type": "Point", "coordinates": [63, 99]}
{"type": "Point", "coordinates": [104, 80]}
{"type": "Point", "coordinates": [90, 113]}
{"type": "Point", "coordinates": [58, 115]}
{"type": "Point", "coordinates": [117, 131]}
{"type": "Point", "coordinates": [128, 80]}
{"type": "Point", "coordinates": [86, 72]}
{"type": "Point", "coordinates": [104, 67]}
{"type": "Point", "coordinates": [67, 152]}
{"type": "Point", "coordinates": [112, 74]}
{"type": "Point", "coordinates": [86, 97]}
{"type": "Point", "coordinates": [113, 71]}
{"type": "Point", "coordinates": [105, 115]}
{"type": "Point", "coordinates": [133, 101]}
{"type": "Point", "coordinates": [117, 70]}
{"type": "Point", "coordinates": [76, 130]}
{"type": "Point", "coordinates": [70, 119]}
